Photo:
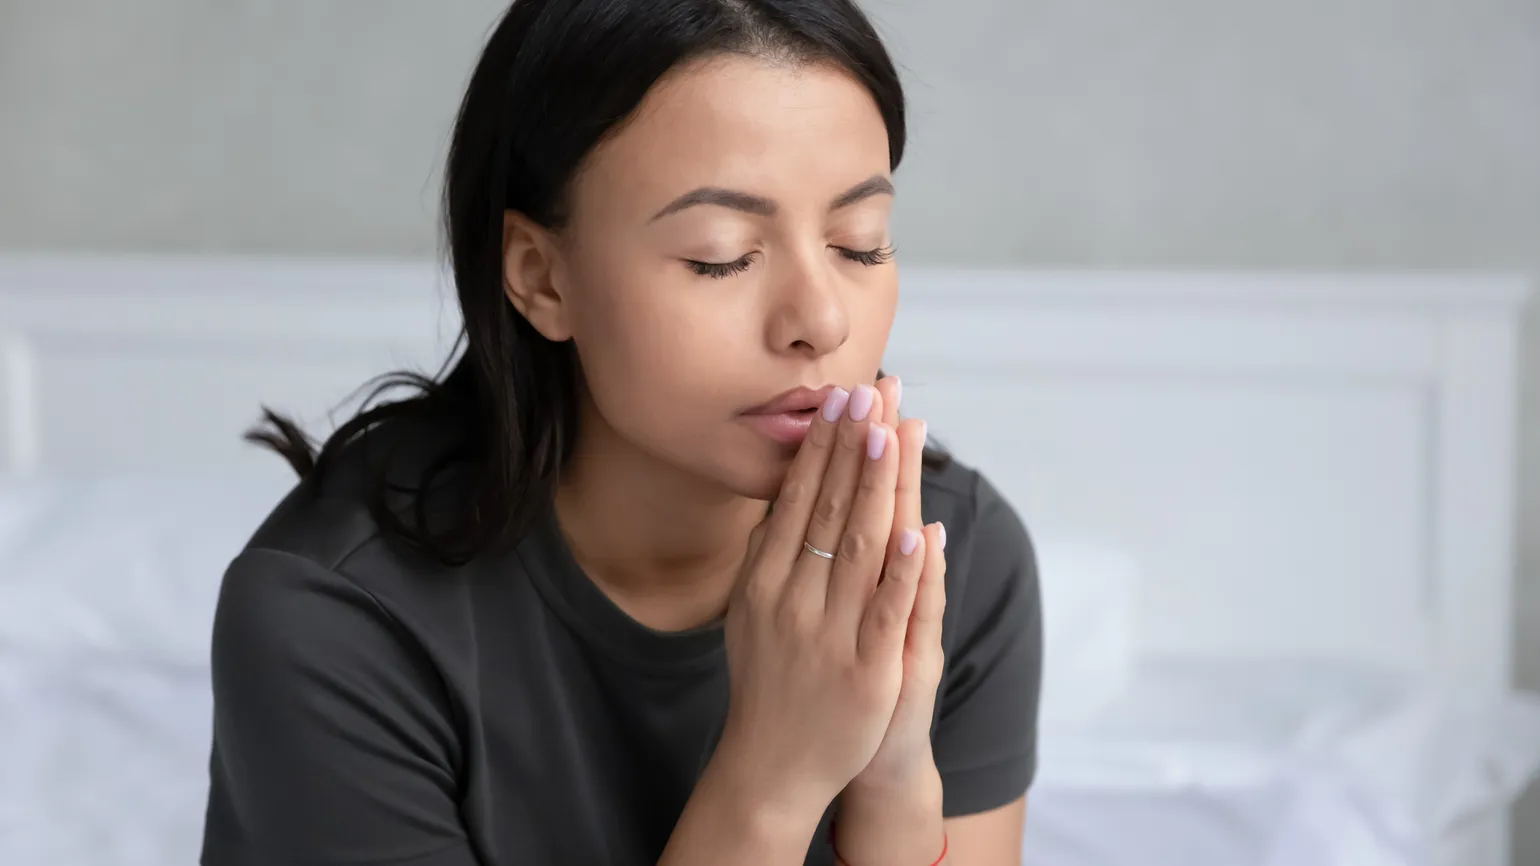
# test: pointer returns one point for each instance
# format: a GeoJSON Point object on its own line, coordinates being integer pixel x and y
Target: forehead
{"type": "Point", "coordinates": [785, 130]}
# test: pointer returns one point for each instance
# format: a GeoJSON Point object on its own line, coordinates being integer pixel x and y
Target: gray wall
{"type": "Point", "coordinates": [1342, 134]}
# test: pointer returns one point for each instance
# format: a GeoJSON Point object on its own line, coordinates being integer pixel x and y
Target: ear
{"type": "Point", "coordinates": [531, 276]}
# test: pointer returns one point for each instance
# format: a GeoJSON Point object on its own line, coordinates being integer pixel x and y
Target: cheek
{"type": "Point", "coordinates": [658, 354]}
{"type": "Point", "coordinates": [872, 308]}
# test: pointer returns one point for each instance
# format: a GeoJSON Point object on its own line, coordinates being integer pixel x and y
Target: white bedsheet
{"type": "Point", "coordinates": [106, 591]}
{"type": "Point", "coordinates": [1204, 763]}
{"type": "Point", "coordinates": [107, 588]}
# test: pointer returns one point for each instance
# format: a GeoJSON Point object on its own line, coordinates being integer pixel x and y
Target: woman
{"type": "Point", "coordinates": [537, 613]}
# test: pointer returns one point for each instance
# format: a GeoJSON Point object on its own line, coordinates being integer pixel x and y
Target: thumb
{"type": "Point", "coordinates": [756, 539]}
{"type": "Point", "coordinates": [757, 536]}
{"type": "Point", "coordinates": [887, 613]}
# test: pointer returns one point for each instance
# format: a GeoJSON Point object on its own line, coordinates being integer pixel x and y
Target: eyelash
{"type": "Point", "coordinates": [720, 270]}
{"type": "Point", "coordinates": [723, 270]}
{"type": "Point", "coordinates": [870, 258]}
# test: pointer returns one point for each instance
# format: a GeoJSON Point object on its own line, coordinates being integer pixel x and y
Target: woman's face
{"type": "Point", "coordinates": [727, 245]}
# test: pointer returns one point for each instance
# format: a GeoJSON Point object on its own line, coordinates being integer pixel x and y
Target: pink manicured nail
{"type": "Point", "coordinates": [898, 393]}
{"type": "Point", "coordinates": [876, 441]}
{"type": "Point", "coordinates": [861, 402]}
{"type": "Point", "coordinates": [908, 542]}
{"type": "Point", "coordinates": [924, 432]}
{"type": "Point", "coordinates": [834, 404]}
{"type": "Point", "coordinates": [941, 532]}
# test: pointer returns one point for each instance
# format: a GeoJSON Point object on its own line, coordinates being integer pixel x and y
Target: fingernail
{"type": "Point", "coordinates": [834, 404]}
{"type": "Point", "coordinates": [898, 393]}
{"type": "Point", "coordinates": [908, 542]}
{"type": "Point", "coordinates": [861, 402]}
{"type": "Point", "coordinates": [924, 432]}
{"type": "Point", "coordinates": [876, 441]}
{"type": "Point", "coordinates": [941, 533]}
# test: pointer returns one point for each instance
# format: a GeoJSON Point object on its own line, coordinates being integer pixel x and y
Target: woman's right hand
{"type": "Point", "coordinates": [815, 644]}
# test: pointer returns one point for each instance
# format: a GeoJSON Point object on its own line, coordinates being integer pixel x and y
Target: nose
{"type": "Point", "coordinates": [808, 314]}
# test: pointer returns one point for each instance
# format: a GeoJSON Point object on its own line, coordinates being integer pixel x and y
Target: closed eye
{"type": "Point", "coordinates": [720, 270]}
{"type": "Point", "coordinates": [870, 258]}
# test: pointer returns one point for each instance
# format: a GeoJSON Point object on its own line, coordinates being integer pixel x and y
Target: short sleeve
{"type": "Point", "coordinates": [986, 730]}
{"type": "Point", "coordinates": [332, 743]}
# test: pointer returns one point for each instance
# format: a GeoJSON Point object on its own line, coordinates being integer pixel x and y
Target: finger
{"type": "Point", "coordinates": [793, 506]}
{"type": "Point", "coordinates": [757, 538]}
{"type": "Point", "coordinates": [832, 508]}
{"type": "Point", "coordinates": [807, 584]}
{"type": "Point", "coordinates": [930, 596]}
{"type": "Point", "coordinates": [886, 618]}
{"type": "Point", "coordinates": [858, 562]}
{"type": "Point", "coordinates": [911, 447]}
{"type": "Point", "coordinates": [892, 391]}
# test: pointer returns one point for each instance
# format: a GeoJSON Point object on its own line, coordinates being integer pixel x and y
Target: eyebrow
{"type": "Point", "coordinates": [761, 206]}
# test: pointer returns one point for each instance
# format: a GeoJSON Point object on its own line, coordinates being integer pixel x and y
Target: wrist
{"type": "Point", "coordinates": [912, 797]}
{"type": "Point", "coordinates": [727, 821]}
{"type": "Point", "coordinates": [914, 782]}
{"type": "Point", "coordinates": [892, 820]}
{"type": "Point", "coordinates": [762, 798]}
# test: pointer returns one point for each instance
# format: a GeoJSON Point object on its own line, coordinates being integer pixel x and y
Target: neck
{"type": "Point", "coordinates": [664, 545]}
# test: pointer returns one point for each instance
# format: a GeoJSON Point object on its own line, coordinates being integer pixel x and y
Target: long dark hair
{"type": "Point", "coordinates": [555, 77]}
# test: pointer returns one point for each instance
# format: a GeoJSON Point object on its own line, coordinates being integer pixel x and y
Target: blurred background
{"type": "Point", "coordinates": [1326, 136]}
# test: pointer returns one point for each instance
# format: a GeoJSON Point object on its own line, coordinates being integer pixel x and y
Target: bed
{"type": "Point", "coordinates": [1273, 515]}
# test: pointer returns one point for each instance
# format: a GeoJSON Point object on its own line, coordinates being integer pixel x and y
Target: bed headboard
{"type": "Point", "coordinates": [1301, 464]}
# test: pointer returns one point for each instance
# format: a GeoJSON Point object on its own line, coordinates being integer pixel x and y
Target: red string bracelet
{"type": "Point", "coordinates": [840, 861]}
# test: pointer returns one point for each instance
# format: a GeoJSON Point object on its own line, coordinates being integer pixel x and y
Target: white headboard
{"type": "Point", "coordinates": [1302, 465]}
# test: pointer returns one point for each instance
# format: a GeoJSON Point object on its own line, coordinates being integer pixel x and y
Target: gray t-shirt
{"type": "Point", "coordinates": [372, 706]}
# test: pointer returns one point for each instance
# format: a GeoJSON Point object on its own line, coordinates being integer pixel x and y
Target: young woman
{"type": "Point", "coordinates": [654, 573]}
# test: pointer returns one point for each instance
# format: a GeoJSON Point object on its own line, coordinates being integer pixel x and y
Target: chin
{"type": "Point", "coordinates": [757, 476]}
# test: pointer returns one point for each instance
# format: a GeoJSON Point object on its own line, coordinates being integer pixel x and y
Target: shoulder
{"type": "Point", "coordinates": [983, 529]}
{"type": "Point", "coordinates": [322, 549]}
{"type": "Point", "coordinates": [331, 521]}
{"type": "Point", "coordinates": [991, 563]}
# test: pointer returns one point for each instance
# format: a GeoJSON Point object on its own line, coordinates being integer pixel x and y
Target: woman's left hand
{"type": "Point", "coordinates": [893, 807]}
{"type": "Point", "coordinates": [905, 752]}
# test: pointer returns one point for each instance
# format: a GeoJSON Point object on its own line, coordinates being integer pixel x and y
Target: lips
{"type": "Point", "coordinates": [802, 399]}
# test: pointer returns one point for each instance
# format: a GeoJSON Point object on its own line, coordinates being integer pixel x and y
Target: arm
{"type": "Point", "coordinates": [991, 838]}
{"type": "Point", "coordinates": [981, 755]}
{"type": "Point", "coordinates": [726, 822]}
{"type": "Point", "coordinates": [911, 823]}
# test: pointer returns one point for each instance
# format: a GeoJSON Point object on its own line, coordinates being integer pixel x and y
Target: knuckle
{"type": "Point", "coordinates": [850, 674]}
{"type": "Point", "coordinates": [855, 547]}
{"type": "Point", "coordinates": [872, 480]}
{"type": "Point", "coordinates": [796, 491]}
{"type": "Point", "coordinates": [821, 435]}
{"type": "Point", "coordinates": [885, 617]}
{"type": "Point", "coordinates": [758, 595]}
{"type": "Point", "coordinates": [794, 617]}
{"type": "Point", "coordinates": [852, 436]}
{"type": "Point", "coordinates": [830, 506]}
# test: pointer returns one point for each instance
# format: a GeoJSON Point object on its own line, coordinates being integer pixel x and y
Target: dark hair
{"type": "Point", "coordinates": [555, 77]}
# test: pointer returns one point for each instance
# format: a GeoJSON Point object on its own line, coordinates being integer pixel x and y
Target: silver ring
{"type": "Point", "coordinates": [816, 552]}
